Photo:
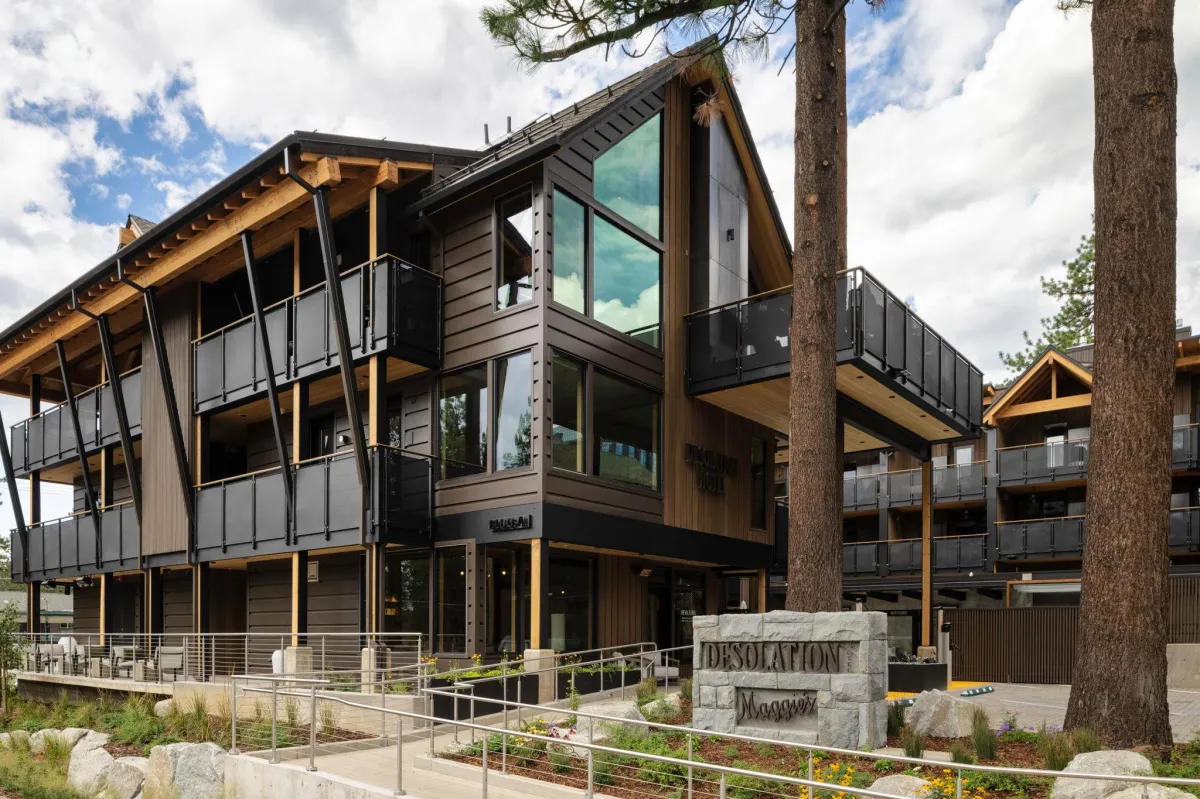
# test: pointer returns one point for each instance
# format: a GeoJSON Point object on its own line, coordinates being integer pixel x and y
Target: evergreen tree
{"type": "Point", "coordinates": [1072, 324]}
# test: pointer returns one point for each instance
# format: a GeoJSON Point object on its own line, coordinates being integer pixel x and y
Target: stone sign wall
{"type": "Point", "coordinates": [802, 677]}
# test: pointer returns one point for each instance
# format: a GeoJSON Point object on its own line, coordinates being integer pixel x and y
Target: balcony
{"type": "Point", "coordinates": [1185, 529]}
{"type": "Point", "coordinates": [1185, 447]}
{"type": "Point", "coordinates": [1040, 539]}
{"type": "Point", "coordinates": [246, 515]}
{"type": "Point", "coordinates": [68, 547]}
{"type": "Point", "coordinates": [391, 306]}
{"type": "Point", "coordinates": [890, 362]}
{"type": "Point", "coordinates": [961, 482]}
{"type": "Point", "coordinates": [861, 492]}
{"type": "Point", "coordinates": [1042, 463]}
{"type": "Point", "coordinates": [950, 554]}
{"type": "Point", "coordinates": [48, 439]}
{"type": "Point", "coordinates": [860, 559]}
{"type": "Point", "coordinates": [904, 488]}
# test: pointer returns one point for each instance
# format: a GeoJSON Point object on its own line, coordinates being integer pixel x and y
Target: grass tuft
{"type": "Point", "coordinates": [982, 737]}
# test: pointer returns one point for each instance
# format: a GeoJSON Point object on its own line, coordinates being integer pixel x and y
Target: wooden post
{"type": "Point", "coordinates": [539, 568]}
{"type": "Point", "coordinates": [33, 622]}
{"type": "Point", "coordinates": [762, 590]}
{"type": "Point", "coordinates": [377, 432]}
{"type": "Point", "coordinates": [105, 605]}
{"type": "Point", "coordinates": [926, 552]}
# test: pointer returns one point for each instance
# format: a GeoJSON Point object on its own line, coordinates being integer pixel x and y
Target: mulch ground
{"type": "Point", "coordinates": [125, 750]}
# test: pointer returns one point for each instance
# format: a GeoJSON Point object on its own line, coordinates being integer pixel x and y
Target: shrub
{"type": "Point", "coordinates": [1055, 749]}
{"type": "Point", "coordinates": [960, 753]}
{"type": "Point", "coordinates": [60, 712]}
{"type": "Point", "coordinates": [895, 718]}
{"type": "Point", "coordinates": [764, 750]}
{"type": "Point", "coordinates": [730, 751]}
{"type": "Point", "coordinates": [647, 690]}
{"type": "Point", "coordinates": [982, 737]}
{"type": "Point", "coordinates": [329, 719]}
{"type": "Point", "coordinates": [603, 765]}
{"type": "Point", "coordinates": [913, 743]}
{"type": "Point", "coordinates": [685, 688]}
{"type": "Point", "coordinates": [58, 751]}
{"type": "Point", "coordinates": [883, 765]}
{"type": "Point", "coordinates": [1085, 740]}
{"type": "Point", "coordinates": [291, 711]}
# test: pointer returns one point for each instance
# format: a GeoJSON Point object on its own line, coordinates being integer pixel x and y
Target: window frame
{"type": "Point", "coordinates": [498, 248]}
{"type": "Point", "coordinates": [494, 408]}
{"type": "Point", "coordinates": [592, 207]}
{"type": "Point", "coordinates": [768, 486]}
{"type": "Point", "coordinates": [589, 405]}
{"type": "Point", "coordinates": [585, 420]}
{"type": "Point", "coordinates": [662, 159]}
{"type": "Point", "coordinates": [490, 383]}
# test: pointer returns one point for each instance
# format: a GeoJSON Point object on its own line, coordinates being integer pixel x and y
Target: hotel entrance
{"type": "Point", "coordinates": [675, 597]}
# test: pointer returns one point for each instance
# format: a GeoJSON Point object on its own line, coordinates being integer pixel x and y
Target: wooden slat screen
{"type": "Point", "coordinates": [1037, 645]}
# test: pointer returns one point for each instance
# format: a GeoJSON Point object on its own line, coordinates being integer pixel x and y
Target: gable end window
{"type": "Point", "coordinates": [514, 249]}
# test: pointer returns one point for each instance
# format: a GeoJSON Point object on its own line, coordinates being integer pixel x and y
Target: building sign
{"type": "Point", "coordinates": [767, 708]}
{"type": "Point", "coordinates": [780, 657]}
{"type": "Point", "coordinates": [711, 467]}
{"type": "Point", "coordinates": [505, 524]}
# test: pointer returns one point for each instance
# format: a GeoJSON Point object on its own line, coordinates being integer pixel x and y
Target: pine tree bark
{"type": "Point", "coordinates": [1120, 686]}
{"type": "Point", "coordinates": [819, 240]}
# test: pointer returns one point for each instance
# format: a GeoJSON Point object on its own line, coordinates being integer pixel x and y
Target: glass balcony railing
{"type": "Point", "coordinates": [1042, 463]}
{"type": "Point", "coordinates": [1185, 529]}
{"type": "Point", "coordinates": [747, 341]}
{"type": "Point", "coordinates": [392, 306]}
{"type": "Point", "coordinates": [904, 488]}
{"type": "Point", "coordinates": [48, 439]}
{"type": "Point", "coordinates": [860, 558]}
{"type": "Point", "coordinates": [950, 554]}
{"type": "Point", "coordinates": [1185, 447]}
{"type": "Point", "coordinates": [861, 492]}
{"type": "Point", "coordinates": [70, 547]}
{"type": "Point", "coordinates": [1039, 539]}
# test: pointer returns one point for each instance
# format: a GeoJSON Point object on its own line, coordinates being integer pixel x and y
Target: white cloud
{"type": "Point", "coordinates": [972, 176]}
{"type": "Point", "coordinates": [149, 166]}
{"type": "Point", "coordinates": [177, 195]}
{"type": "Point", "coordinates": [124, 201]}
{"type": "Point", "coordinates": [99, 190]}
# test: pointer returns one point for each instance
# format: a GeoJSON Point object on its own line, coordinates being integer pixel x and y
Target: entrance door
{"type": "Point", "coordinates": [659, 597]}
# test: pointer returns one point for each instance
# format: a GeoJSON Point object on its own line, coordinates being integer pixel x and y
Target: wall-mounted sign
{"type": "Point", "coordinates": [314, 571]}
{"type": "Point", "coordinates": [507, 523]}
{"type": "Point", "coordinates": [711, 467]}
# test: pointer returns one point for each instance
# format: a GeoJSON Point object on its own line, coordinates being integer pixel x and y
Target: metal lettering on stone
{"type": "Point", "coordinates": [804, 677]}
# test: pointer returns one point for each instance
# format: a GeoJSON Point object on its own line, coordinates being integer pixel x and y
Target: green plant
{"type": "Point", "coordinates": [57, 751]}
{"type": "Point", "coordinates": [647, 690]}
{"type": "Point", "coordinates": [1085, 740]}
{"type": "Point", "coordinates": [982, 737]}
{"type": "Point", "coordinates": [764, 750]}
{"type": "Point", "coordinates": [730, 751]}
{"type": "Point", "coordinates": [329, 719]}
{"type": "Point", "coordinates": [60, 712]}
{"type": "Point", "coordinates": [883, 766]}
{"type": "Point", "coordinates": [1055, 749]}
{"type": "Point", "coordinates": [603, 765]}
{"type": "Point", "coordinates": [560, 759]}
{"type": "Point", "coordinates": [87, 715]}
{"type": "Point", "coordinates": [291, 711]}
{"type": "Point", "coordinates": [685, 688]}
{"type": "Point", "coordinates": [913, 743]}
{"type": "Point", "coordinates": [960, 752]}
{"type": "Point", "coordinates": [895, 718]}
{"type": "Point", "coordinates": [33, 778]}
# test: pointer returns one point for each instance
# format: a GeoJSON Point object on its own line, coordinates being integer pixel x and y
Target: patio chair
{"type": "Point", "coordinates": [121, 661]}
{"type": "Point", "coordinates": [654, 664]}
{"type": "Point", "coordinates": [168, 659]}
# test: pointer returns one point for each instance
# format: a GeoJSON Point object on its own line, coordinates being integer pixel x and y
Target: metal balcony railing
{"type": "Point", "coordinates": [904, 488]}
{"type": "Point", "coordinates": [1185, 528]}
{"type": "Point", "coordinates": [950, 553]}
{"type": "Point", "coordinates": [391, 306]}
{"type": "Point", "coordinates": [747, 340]}
{"type": "Point", "coordinates": [1185, 447]}
{"type": "Point", "coordinates": [71, 547]}
{"type": "Point", "coordinates": [960, 482]}
{"type": "Point", "coordinates": [861, 491]}
{"type": "Point", "coordinates": [1042, 463]}
{"type": "Point", "coordinates": [48, 438]}
{"type": "Point", "coordinates": [860, 558]}
{"type": "Point", "coordinates": [1037, 539]}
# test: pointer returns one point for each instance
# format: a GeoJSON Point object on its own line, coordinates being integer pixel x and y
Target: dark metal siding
{"type": "Point", "coordinates": [268, 609]}
{"type": "Point", "coordinates": [177, 602]}
{"type": "Point", "coordinates": [87, 609]}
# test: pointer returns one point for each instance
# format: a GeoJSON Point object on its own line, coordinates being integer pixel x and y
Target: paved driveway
{"type": "Point", "coordinates": [1034, 704]}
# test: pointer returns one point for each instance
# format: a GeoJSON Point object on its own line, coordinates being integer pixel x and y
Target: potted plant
{"type": "Point", "coordinates": [909, 674]}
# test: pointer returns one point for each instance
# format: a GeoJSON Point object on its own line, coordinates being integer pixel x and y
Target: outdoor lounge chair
{"type": "Point", "coordinates": [168, 660]}
{"type": "Point", "coordinates": [121, 661]}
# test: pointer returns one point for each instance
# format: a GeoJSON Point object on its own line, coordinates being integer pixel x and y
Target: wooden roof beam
{"type": "Point", "coordinates": [1045, 406]}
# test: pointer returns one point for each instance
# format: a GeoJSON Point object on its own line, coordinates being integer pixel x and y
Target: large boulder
{"type": "Point", "coordinates": [1152, 791]}
{"type": "Point", "coordinates": [1103, 762]}
{"type": "Point", "coordinates": [663, 708]}
{"type": "Point", "coordinates": [125, 778]}
{"type": "Point", "coordinates": [163, 709]}
{"type": "Point", "coordinates": [937, 714]}
{"type": "Point", "coordinates": [614, 709]}
{"type": "Point", "coordinates": [92, 740]}
{"type": "Point", "coordinates": [37, 741]}
{"type": "Point", "coordinates": [903, 785]}
{"type": "Point", "coordinates": [87, 773]}
{"type": "Point", "coordinates": [72, 735]}
{"type": "Point", "coordinates": [185, 771]}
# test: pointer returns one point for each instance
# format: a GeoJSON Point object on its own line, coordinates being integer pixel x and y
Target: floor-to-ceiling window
{"type": "Point", "coordinates": [569, 595]}
{"type": "Point", "coordinates": [452, 600]}
{"type": "Point", "coordinates": [406, 597]}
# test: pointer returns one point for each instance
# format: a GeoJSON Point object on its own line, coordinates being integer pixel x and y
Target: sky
{"type": "Point", "coordinates": [969, 149]}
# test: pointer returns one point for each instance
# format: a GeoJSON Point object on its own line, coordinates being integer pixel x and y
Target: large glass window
{"type": "Point", "coordinates": [406, 604]}
{"type": "Point", "coordinates": [567, 412]}
{"type": "Point", "coordinates": [627, 177]}
{"type": "Point", "coordinates": [570, 599]}
{"type": "Point", "coordinates": [514, 383]}
{"type": "Point", "coordinates": [625, 439]}
{"type": "Point", "coordinates": [500, 633]}
{"type": "Point", "coordinates": [570, 253]}
{"type": "Point", "coordinates": [452, 600]}
{"type": "Point", "coordinates": [463, 412]}
{"type": "Point", "coordinates": [626, 275]}
{"type": "Point", "coordinates": [514, 257]}
{"type": "Point", "coordinates": [758, 483]}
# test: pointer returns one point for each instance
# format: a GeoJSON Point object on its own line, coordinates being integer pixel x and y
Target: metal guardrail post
{"type": "Point", "coordinates": [400, 755]}
{"type": "Point", "coordinates": [233, 750]}
{"type": "Point", "coordinates": [382, 701]}
{"type": "Point", "coordinates": [484, 775]}
{"type": "Point", "coordinates": [591, 772]}
{"type": "Point", "coordinates": [274, 724]}
{"type": "Point", "coordinates": [721, 788]}
{"type": "Point", "coordinates": [810, 764]}
{"type": "Point", "coordinates": [958, 785]}
{"type": "Point", "coordinates": [689, 782]}
{"type": "Point", "coordinates": [312, 731]}
{"type": "Point", "coordinates": [473, 716]}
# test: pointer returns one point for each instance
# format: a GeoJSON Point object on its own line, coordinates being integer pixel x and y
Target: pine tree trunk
{"type": "Point", "coordinates": [1120, 688]}
{"type": "Point", "coordinates": [815, 450]}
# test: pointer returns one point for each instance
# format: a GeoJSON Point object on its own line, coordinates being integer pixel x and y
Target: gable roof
{"type": "Point", "coordinates": [1049, 359]}
{"type": "Point", "coordinates": [139, 225]}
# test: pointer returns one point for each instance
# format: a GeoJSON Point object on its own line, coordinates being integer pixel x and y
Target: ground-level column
{"type": "Point", "coordinates": [927, 649]}
{"type": "Point", "coordinates": [154, 601]}
{"type": "Point", "coordinates": [33, 622]}
{"type": "Point", "coordinates": [299, 597]}
{"type": "Point", "coordinates": [105, 606]}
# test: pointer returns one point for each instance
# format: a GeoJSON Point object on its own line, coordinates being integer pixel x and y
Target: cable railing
{"type": "Point", "coordinates": [206, 657]}
{"type": "Point", "coordinates": [281, 718]}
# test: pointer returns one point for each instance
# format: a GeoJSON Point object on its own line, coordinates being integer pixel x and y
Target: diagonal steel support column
{"type": "Point", "coordinates": [14, 498]}
{"type": "Point", "coordinates": [342, 329]}
{"type": "Point", "coordinates": [114, 379]}
{"type": "Point", "coordinates": [168, 386]}
{"type": "Point", "coordinates": [285, 471]}
{"type": "Point", "coordinates": [88, 495]}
